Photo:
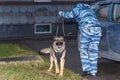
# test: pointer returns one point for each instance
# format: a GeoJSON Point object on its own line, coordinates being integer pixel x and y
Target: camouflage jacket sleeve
{"type": "Point", "coordinates": [76, 10]}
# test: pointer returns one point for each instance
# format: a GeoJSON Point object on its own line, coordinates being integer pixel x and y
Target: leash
{"type": "Point", "coordinates": [60, 19]}
{"type": "Point", "coordinates": [78, 40]}
{"type": "Point", "coordinates": [63, 27]}
{"type": "Point", "coordinates": [57, 25]}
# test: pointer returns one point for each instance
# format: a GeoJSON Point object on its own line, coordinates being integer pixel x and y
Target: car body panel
{"type": "Point", "coordinates": [110, 40]}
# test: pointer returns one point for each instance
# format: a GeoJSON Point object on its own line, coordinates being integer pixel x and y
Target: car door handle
{"type": "Point", "coordinates": [110, 29]}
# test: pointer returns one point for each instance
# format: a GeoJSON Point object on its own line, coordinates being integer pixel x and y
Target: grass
{"type": "Point", "coordinates": [28, 70]}
{"type": "Point", "coordinates": [32, 70]}
{"type": "Point", "coordinates": [12, 50]}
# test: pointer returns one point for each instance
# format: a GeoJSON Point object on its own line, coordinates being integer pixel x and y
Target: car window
{"type": "Point", "coordinates": [116, 13]}
{"type": "Point", "coordinates": [102, 12]}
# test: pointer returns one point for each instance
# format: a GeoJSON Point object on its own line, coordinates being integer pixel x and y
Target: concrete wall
{"type": "Point", "coordinates": [30, 14]}
{"type": "Point", "coordinates": [19, 20]}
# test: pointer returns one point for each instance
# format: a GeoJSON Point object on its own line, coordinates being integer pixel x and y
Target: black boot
{"type": "Point", "coordinates": [86, 73]}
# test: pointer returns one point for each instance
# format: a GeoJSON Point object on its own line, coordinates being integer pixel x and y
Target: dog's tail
{"type": "Point", "coordinates": [45, 51]}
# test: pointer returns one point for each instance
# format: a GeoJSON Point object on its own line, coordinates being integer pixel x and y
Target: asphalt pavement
{"type": "Point", "coordinates": [107, 69]}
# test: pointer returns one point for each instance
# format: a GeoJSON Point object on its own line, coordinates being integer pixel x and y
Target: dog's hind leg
{"type": "Point", "coordinates": [51, 64]}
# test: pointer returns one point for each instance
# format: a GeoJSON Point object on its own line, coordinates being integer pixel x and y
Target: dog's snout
{"type": "Point", "coordinates": [59, 43]}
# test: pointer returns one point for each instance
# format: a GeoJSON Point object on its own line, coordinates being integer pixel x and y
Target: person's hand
{"type": "Point", "coordinates": [60, 13]}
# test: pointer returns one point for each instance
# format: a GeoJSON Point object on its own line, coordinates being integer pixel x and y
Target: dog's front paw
{"type": "Point", "coordinates": [49, 70]}
{"type": "Point", "coordinates": [61, 74]}
{"type": "Point", "coordinates": [57, 72]}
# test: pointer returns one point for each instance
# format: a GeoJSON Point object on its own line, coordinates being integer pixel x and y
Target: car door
{"type": "Point", "coordinates": [102, 13]}
{"type": "Point", "coordinates": [109, 43]}
{"type": "Point", "coordinates": [109, 17]}
{"type": "Point", "coordinates": [114, 33]}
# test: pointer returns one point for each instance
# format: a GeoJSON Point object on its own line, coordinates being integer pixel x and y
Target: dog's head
{"type": "Point", "coordinates": [58, 43]}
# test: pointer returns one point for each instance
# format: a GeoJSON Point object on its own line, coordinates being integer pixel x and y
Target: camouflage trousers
{"type": "Point", "coordinates": [89, 51]}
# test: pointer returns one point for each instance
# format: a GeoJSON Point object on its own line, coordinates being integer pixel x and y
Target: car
{"type": "Point", "coordinates": [108, 13]}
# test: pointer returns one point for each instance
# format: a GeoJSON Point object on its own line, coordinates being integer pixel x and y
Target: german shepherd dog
{"type": "Point", "coordinates": [57, 51]}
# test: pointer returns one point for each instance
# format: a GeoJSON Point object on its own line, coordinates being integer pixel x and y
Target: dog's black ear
{"type": "Point", "coordinates": [62, 38]}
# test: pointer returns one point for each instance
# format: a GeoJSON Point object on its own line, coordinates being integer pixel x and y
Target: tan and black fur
{"type": "Point", "coordinates": [58, 47]}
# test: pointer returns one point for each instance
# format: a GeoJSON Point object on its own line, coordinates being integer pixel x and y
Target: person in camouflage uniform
{"type": "Point", "coordinates": [90, 33]}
